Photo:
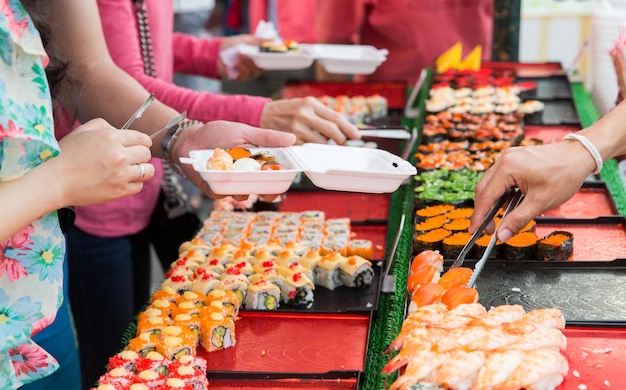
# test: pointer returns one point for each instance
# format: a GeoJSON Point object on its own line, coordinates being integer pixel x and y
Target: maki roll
{"type": "Point", "coordinates": [190, 375]}
{"type": "Point", "coordinates": [327, 271]}
{"type": "Point", "coordinates": [355, 271]}
{"type": "Point", "coordinates": [521, 246]}
{"type": "Point", "coordinates": [453, 244]}
{"type": "Point", "coordinates": [481, 245]}
{"type": "Point", "coordinates": [126, 359]}
{"type": "Point", "coordinates": [431, 223]}
{"type": "Point", "coordinates": [205, 282]}
{"type": "Point", "coordinates": [151, 325]}
{"type": "Point", "coordinates": [262, 295]}
{"type": "Point", "coordinates": [297, 290]}
{"type": "Point", "coordinates": [228, 298]}
{"type": "Point", "coordinates": [143, 344]}
{"type": "Point", "coordinates": [431, 240]}
{"type": "Point", "coordinates": [217, 332]}
{"type": "Point", "coordinates": [460, 212]}
{"type": "Point", "coordinates": [457, 225]}
{"type": "Point", "coordinates": [558, 245]}
{"type": "Point", "coordinates": [431, 211]}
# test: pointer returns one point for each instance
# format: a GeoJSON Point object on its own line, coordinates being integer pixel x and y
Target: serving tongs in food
{"type": "Point", "coordinates": [511, 197]}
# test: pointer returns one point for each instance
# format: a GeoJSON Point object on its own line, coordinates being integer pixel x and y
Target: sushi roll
{"type": "Point", "coordinates": [178, 283]}
{"type": "Point", "coordinates": [152, 325]}
{"type": "Point", "coordinates": [327, 271]}
{"type": "Point", "coordinates": [150, 379]}
{"type": "Point", "coordinates": [173, 347]}
{"type": "Point", "coordinates": [188, 321]}
{"type": "Point", "coordinates": [125, 359]}
{"type": "Point", "coordinates": [185, 307]}
{"type": "Point", "coordinates": [227, 297]}
{"type": "Point", "coordinates": [378, 106]}
{"type": "Point", "coordinates": [217, 332]}
{"type": "Point", "coordinates": [431, 223]}
{"type": "Point", "coordinates": [271, 275]}
{"type": "Point", "coordinates": [457, 225]}
{"type": "Point", "coordinates": [431, 211]}
{"type": "Point", "coordinates": [481, 245]}
{"type": "Point", "coordinates": [521, 246]}
{"type": "Point", "coordinates": [558, 245]}
{"type": "Point", "coordinates": [205, 282]}
{"type": "Point", "coordinates": [452, 245]}
{"type": "Point", "coordinates": [297, 290]}
{"type": "Point", "coordinates": [431, 240]}
{"type": "Point", "coordinates": [119, 378]}
{"type": "Point", "coordinates": [355, 271]}
{"type": "Point", "coordinates": [143, 344]}
{"type": "Point", "coordinates": [295, 268]}
{"type": "Point", "coordinates": [235, 282]}
{"type": "Point", "coordinates": [194, 298]}
{"type": "Point", "coordinates": [243, 266]}
{"type": "Point", "coordinates": [361, 247]}
{"type": "Point", "coordinates": [262, 295]}
{"type": "Point", "coordinates": [189, 374]}
{"type": "Point", "coordinates": [167, 294]}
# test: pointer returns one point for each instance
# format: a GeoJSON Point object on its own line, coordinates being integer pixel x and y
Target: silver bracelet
{"type": "Point", "coordinates": [170, 139]}
{"type": "Point", "coordinates": [591, 148]}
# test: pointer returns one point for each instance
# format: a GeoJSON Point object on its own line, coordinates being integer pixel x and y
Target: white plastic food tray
{"type": "Point", "coordinates": [340, 59]}
{"type": "Point", "coordinates": [331, 167]}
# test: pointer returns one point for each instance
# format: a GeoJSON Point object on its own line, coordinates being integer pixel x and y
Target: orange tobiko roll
{"type": "Point", "coordinates": [459, 295]}
{"type": "Point", "coordinates": [427, 257]}
{"type": "Point", "coordinates": [456, 277]}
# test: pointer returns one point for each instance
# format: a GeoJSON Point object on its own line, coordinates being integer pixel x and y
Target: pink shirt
{"type": "Point", "coordinates": [414, 31]}
{"type": "Point", "coordinates": [295, 18]}
{"type": "Point", "coordinates": [172, 52]}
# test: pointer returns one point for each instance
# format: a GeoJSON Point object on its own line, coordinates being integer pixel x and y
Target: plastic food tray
{"type": "Point", "coordinates": [547, 88]}
{"type": "Point", "coordinates": [293, 345]}
{"type": "Point", "coordinates": [582, 290]}
{"type": "Point", "coordinates": [332, 167]}
{"type": "Point", "coordinates": [591, 201]}
{"type": "Point", "coordinates": [342, 59]}
{"type": "Point", "coordinates": [555, 113]}
{"type": "Point", "coordinates": [278, 61]}
{"type": "Point", "coordinates": [340, 300]}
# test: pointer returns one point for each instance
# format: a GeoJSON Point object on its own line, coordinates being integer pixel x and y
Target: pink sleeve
{"type": "Point", "coordinates": [197, 56]}
{"type": "Point", "coordinates": [338, 21]}
{"type": "Point", "coordinates": [120, 30]}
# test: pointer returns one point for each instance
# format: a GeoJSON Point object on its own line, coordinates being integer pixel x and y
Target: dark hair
{"type": "Point", "coordinates": [56, 71]}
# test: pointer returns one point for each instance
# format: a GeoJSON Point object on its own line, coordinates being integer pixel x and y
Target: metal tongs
{"type": "Point", "coordinates": [511, 197]}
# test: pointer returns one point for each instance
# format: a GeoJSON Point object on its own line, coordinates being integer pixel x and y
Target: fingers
{"type": "Point", "coordinates": [516, 219]}
{"type": "Point", "coordinates": [342, 126]}
{"type": "Point", "coordinates": [141, 172]}
{"type": "Point", "coordinates": [269, 138]}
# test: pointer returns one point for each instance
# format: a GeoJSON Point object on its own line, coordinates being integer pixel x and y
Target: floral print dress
{"type": "Point", "coordinates": [31, 262]}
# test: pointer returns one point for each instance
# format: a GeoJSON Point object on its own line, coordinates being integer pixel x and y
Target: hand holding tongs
{"type": "Point", "coordinates": [512, 197]}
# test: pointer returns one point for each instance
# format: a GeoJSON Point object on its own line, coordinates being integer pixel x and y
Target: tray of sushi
{"type": "Point", "coordinates": [265, 171]}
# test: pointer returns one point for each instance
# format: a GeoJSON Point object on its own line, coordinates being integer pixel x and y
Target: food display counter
{"type": "Point", "coordinates": [342, 342]}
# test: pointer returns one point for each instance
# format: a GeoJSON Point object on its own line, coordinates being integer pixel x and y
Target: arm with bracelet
{"type": "Point", "coordinates": [549, 174]}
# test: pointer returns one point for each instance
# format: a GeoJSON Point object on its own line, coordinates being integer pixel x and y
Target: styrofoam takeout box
{"type": "Point", "coordinates": [278, 61]}
{"type": "Point", "coordinates": [348, 59]}
{"type": "Point", "coordinates": [331, 167]}
{"type": "Point", "coordinates": [340, 59]}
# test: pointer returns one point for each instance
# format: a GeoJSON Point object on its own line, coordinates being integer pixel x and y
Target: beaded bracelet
{"type": "Point", "coordinates": [590, 148]}
{"type": "Point", "coordinates": [170, 139]}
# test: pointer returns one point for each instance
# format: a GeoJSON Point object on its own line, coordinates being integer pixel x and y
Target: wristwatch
{"type": "Point", "coordinates": [170, 138]}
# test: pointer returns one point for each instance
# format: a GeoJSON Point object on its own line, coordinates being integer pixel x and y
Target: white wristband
{"type": "Point", "coordinates": [590, 148]}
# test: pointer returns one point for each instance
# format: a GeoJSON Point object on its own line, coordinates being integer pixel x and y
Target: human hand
{"type": "Point", "coordinates": [245, 67]}
{"type": "Point", "coordinates": [548, 175]}
{"type": "Point", "coordinates": [99, 163]}
{"type": "Point", "coordinates": [309, 120]}
{"type": "Point", "coordinates": [223, 134]}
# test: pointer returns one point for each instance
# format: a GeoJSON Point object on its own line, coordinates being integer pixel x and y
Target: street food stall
{"type": "Point", "coordinates": [343, 334]}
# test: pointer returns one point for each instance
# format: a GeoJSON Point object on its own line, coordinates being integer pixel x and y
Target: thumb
{"type": "Point", "coordinates": [514, 221]}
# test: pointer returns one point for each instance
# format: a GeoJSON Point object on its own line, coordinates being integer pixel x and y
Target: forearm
{"type": "Point", "coordinates": [197, 56]}
{"type": "Point", "coordinates": [103, 89]}
{"type": "Point", "coordinates": [22, 201]}
{"type": "Point", "coordinates": [608, 134]}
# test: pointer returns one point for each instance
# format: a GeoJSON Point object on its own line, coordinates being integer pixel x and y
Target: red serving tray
{"type": "Point", "coordinates": [521, 69]}
{"type": "Point", "coordinates": [588, 202]}
{"type": "Point", "coordinates": [301, 345]}
{"type": "Point", "coordinates": [548, 134]}
{"type": "Point", "coordinates": [394, 92]}
{"type": "Point", "coordinates": [597, 358]}
{"type": "Point", "coordinates": [282, 384]}
{"type": "Point", "coordinates": [600, 239]}
{"type": "Point", "coordinates": [336, 204]}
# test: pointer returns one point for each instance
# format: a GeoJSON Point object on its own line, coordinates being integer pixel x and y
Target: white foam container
{"type": "Point", "coordinates": [278, 61]}
{"type": "Point", "coordinates": [348, 59]}
{"type": "Point", "coordinates": [331, 167]}
{"type": "Point", "coordinates": [339, 59]}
